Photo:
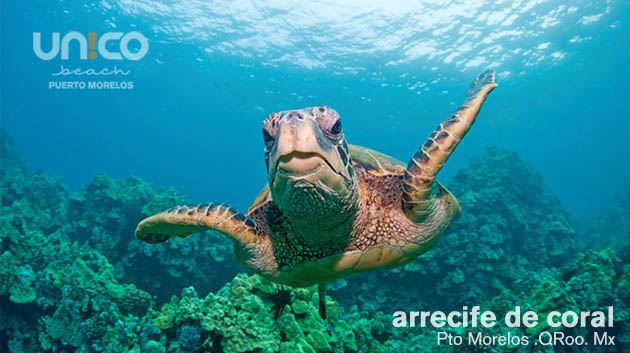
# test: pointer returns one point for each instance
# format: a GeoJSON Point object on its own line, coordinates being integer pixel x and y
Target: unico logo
{"type": "Point", "coordinates": [96, 47]}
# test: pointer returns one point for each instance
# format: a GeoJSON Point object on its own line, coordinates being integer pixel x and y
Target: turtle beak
{"type": "Point", "coordinates": [302, 163]}
{"type": "Point", "coordinates": [306, 172]}
{"type": "Point", "coordinates": [302, 152]}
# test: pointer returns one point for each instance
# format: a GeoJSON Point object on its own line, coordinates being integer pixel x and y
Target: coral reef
{"type": "Point", "coordinates": [611, 225]}
{"type": "Point", "coordinates": [240, 318]}
{"type": "Point", "coordinates": [105, 214]}
{"type": "Point", "coordinates": [73, 279]}
{"type": "Point", "coordinates": [592, 281]}
{"type": "Point", "coordinates": [59, 294]}
{"type": "Point", "coordinates": [56, 292]}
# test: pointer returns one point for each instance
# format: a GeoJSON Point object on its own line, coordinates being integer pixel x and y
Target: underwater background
{"type": "Point", "coordinates": [542, 177]}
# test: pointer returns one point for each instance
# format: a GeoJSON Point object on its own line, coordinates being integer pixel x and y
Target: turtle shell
{"type": "Point", "coordinates": [376, 162]}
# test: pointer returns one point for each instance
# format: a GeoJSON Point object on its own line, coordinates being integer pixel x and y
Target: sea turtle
{"type": "Point", "coordinates": [331, 209]}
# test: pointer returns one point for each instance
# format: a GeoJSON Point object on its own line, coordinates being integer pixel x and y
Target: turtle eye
{"type": "Point", "coordinates": [336, 129]}
{"type": "Point", "coordinates": [268, 138]}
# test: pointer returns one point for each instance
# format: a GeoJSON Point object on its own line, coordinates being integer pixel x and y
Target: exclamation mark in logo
{"type": "Point", "coordinates": [92, 42]}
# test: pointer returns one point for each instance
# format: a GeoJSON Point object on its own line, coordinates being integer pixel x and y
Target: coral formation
{"type": "Point", "coordinates": [611, 226]}
{"type": "Point", "coordinates": [105, 214]}
{"type": "Point", "coordinates": [56, 292]}
{"type": "Point", "coordinates": [67, 262]}
{"type": "Point", "coordinates": [240, 318]}
{"type": "Point", "coordinates": [63, 295]}
{"type": "Point", "coordinates": [592, 281]}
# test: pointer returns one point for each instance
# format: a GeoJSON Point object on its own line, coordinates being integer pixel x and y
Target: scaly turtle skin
{"type": "Point", "coordinates": [331, 209]}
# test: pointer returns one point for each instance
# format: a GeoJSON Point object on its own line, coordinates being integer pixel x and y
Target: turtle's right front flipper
{"type": "Point", "coordinates": [183, 221]}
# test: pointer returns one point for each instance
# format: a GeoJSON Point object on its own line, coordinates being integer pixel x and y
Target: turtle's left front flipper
{"type": "Point", "coordinates": [419, 187]}
{"type": "Point", "coordinates": [183, 221]}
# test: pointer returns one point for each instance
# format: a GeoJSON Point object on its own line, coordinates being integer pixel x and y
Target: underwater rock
{"type": "Point", "coordinates": [135, 301]}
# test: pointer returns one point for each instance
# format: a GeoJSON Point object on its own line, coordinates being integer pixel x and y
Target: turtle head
{"type": "Point", "coordinates": [308, 163]}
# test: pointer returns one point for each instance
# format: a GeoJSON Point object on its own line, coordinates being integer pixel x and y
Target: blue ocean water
{"type": "Point", "coordinates": [73, 278]}
{"type": "Point", "coordinates": [214, 71]}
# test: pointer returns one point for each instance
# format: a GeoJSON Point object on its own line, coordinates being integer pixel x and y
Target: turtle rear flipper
{"type": "Point", "coordinates": [419, 187]}
{"type": "Point", "coordinates": [321, 290]}
{"type": "Point", "coordinates": [183, 221]}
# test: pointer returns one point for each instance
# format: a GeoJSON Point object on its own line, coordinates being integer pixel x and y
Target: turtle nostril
{"type": "Point", "coordinates": [296, 115]}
